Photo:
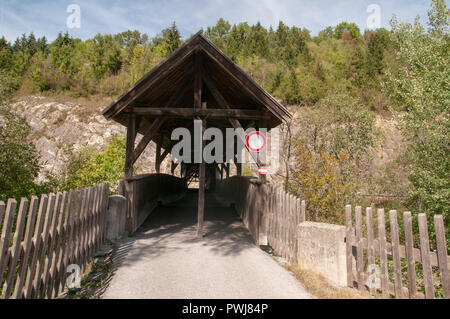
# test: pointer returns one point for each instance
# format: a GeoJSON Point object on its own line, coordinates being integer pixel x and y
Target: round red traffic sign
{"type": "Point", "coordinates": [256, 141]}
{"type": "Point", "coordinates": [262, 170]}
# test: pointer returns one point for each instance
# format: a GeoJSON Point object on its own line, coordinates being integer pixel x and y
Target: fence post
{"type": "Point", "coordinates": [409, 248]}
{"type": "Point", "coordinates": [359, 248]}
{"type": "Point", "coordinates": [442, 254]}
{"type": "Point", "coordinates": [425, 252]}
{"type": "Point", "coordinates": [383, 252]}
{"type": "Point", "coordinates": [396, 254]}
{"type": "Point", "coordinates": [349, 244]}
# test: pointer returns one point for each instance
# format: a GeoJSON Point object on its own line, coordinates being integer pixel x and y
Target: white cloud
{"type": "Point", "coordinates": [45, 17]}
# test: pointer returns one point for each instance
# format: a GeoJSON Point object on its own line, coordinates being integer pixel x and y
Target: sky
{"type": "Point", "coordinates": [48, 17]}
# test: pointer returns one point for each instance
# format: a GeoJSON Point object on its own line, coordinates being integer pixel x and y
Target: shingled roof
{"type": "Point", "coordinates": [160, 85]}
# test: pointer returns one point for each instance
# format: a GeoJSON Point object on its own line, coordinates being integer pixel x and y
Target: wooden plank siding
{"type": "Point", "coordinates": [50, 233]}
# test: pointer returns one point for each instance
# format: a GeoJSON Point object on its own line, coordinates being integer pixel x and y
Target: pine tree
{"type": "Point", "coordinates": [172, 38]}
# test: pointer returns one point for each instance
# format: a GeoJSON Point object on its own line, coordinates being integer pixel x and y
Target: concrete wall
{"type": "Point", "coordinates": [116, 217]}
{"type": "Point", "coordinates": [321, 248]}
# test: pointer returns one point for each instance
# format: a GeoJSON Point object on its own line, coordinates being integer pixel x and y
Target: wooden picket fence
{"type": "Point", "coordinates": [49, 235]}
{"type": "Point", "coordinates": [285, 213]}
{"type": "Point", "coordinates": [379, 255]}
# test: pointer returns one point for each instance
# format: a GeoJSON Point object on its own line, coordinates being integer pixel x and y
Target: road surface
{"type": "Point", "coordinates": [164, 259]}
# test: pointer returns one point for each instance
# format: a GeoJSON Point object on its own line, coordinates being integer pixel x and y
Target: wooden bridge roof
{"type": "Point", "coordinates": [169, 89]}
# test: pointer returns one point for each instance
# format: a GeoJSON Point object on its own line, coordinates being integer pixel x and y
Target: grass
{"type": "Point", "coordinates": [319, 287]}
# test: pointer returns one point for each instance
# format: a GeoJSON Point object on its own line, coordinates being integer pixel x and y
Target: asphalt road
{"type": "Point", "coordinates": [166, 260]}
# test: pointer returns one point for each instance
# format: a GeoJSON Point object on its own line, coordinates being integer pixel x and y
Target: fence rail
{"type": "Point", "coordinates": [387, 258]}
{"type": "Point", "coordinates": [49, 235]}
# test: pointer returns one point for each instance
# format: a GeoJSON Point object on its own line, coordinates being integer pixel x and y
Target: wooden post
{"type": "Point", "coordinates": [239, 169]}
{"type": "Point", "coordinates": [131, 137]}
{"type": "Point", "coordinates": [201, 192]}
{"type": "Point", "coordinates": [442, 254]}
{"type": "Point", "coordinates": [409, 249]}
{"type": "Point", "coordinates": [359, 248]}
{"type": "Point", "coordinates": [383, 252]}
{"type": "Point", "coordinates": [425, 254]}
{"type": "Point", "coordinates": [396, 254]}
{"type": "Point", "coordinates": [349, 245]}
{"type": "Point", "coordinates": [303, 211]}
{"type": "Point", "coordinates": [198, 88]}
{"type": "Point", "coordinates": [262, 155]}
{"type": "Point", "coordinates": [370, 248]}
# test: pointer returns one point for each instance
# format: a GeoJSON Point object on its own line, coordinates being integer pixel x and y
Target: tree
{"type": "Point", "coordinates": [330, 149]}
{"type": "Point", "coordinates": [421, 89]}
{"type": "Point", "coordinates": [258, 42]}
{"type": "Point", "coordinates": [62, 51]}
{"type": "Point", "coordinates": [172, 38]}
{"type": "Point", "coordinates": [377, 44]}
{"type": "Point", "coordinates": [352, 28]}
{"type": "Point", "coordinates": [326, 33]}
{"type": "Point", "coordinates": [6, 56]}
{"type": "Point", "coordinates": [104, 56]}
{"type": "Point", "coordinates": [19, 159]}
{"type": "Point", "coordinates": [130, 39]}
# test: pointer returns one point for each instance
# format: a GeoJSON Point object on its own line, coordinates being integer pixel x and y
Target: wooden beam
{"type": "Point", "coordinates": [242, 114]}
{"type": "Point", "coordinates": [158, 157]}
{"type": "Point", "coordinates": [173, 167]}
{"type": "Point", "coordinates": [227, 170]}
{"type": "Point", "coordinates": [224, 104]}
{"type": "Point", "coordinates": [198, 83]}
{"type": "Point", "coordinates": [148, 136]}
{"type": "Point", "coordinates": [131, 136]}
{"type": "Point", "coordinates": [165, 153]}
{"type": "Point", "coordinates": [244, 80]}
{"type": "Point", "coordinates": [156, 74]}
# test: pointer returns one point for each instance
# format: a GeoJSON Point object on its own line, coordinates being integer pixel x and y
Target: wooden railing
{"type": "Point", "coordinates": [247, 197]}
{"type": "Point", "coordinates": [143, 193]}
{"type": "Point", "coordinates": [49, 235]}
{"type": "Point", "coordinates": [270, 214]}
{"type": "Point", "coordinates": [385, 260]}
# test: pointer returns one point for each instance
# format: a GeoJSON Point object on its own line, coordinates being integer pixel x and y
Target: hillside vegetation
{"type": "Point", "coordinates": [341, 84]}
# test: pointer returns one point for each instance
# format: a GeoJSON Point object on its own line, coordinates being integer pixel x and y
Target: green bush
{"type": "Point", "coordinates": [90, 167]}
{"type": "Point", "coordinates": [19, 159]}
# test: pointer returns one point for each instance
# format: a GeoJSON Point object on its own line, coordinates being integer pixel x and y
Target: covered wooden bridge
{"type": "Point", "coordinates": [196, 82]}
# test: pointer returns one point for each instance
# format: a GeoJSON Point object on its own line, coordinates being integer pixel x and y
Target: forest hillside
{"type": "Point", "coordinates": [371, 107]}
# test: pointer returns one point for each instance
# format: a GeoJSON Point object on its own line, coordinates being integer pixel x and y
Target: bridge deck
{"type": "Point", "coordinates": [165, 259]}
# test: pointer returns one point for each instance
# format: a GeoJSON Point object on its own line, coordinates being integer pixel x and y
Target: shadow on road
{"type": "Point", "coordinates": [174, 226]}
